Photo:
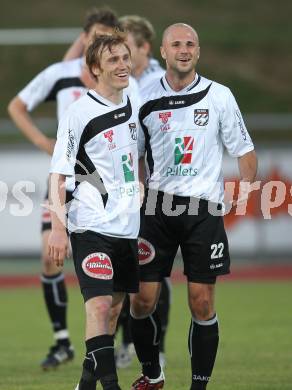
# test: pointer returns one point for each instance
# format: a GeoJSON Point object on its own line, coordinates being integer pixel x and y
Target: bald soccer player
{"type": "Point", "coordinates": [186, 122]}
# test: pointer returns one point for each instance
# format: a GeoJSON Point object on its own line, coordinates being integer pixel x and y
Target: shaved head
{"type": "Point", "coordinates": [181, 50]}
{"type": "Point", "coordinates": [169, 31]}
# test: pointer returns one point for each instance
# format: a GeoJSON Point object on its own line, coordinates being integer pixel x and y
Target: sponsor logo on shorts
{"type": "Point", "coordinates": [98, 266]}
{"type": "Point", "coordinates": [216, 266]}
{"type": "Point", "coordinates": [201, 117]}
{"type": "Point", "coordinates": [146, 251]}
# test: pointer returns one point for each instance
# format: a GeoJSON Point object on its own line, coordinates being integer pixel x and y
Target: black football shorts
{"type": "Point", "coordinates": [187, 223]}
{"type": "Point", "coordinates": [105, 264]}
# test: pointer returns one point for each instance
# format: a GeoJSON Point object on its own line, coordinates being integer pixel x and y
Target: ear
{"type": "Point", "coordinates": [162, 52]}
{"type": "Point", "coordinates": [96, 70]}
{"type": "Point", "coordinates": [199, 52]}
{"type": "Point", "coordinates": [146, 48]}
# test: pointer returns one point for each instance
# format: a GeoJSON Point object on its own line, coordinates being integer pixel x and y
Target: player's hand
{"type": "Point", "coordinates": [244, 193]}
{"type": "Point", "coordinates": [58, 246]}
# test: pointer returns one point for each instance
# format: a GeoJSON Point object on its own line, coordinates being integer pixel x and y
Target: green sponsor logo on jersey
{"type": "Point", "coordinates": [127, 162]}
{"type": "Point", "coordinates": [183, 150]}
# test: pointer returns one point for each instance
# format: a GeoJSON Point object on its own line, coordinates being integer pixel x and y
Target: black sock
{"type": "Point", "coordinates": [146, 336]}
{"type": "Point", "coordinates": [56, 300]}
{"type": "Point", "coordinates": [99, 364]}
{"type": "Point", "coordinates": [163, 307]}
{"type": "Point", "coordinates": [203, 344]}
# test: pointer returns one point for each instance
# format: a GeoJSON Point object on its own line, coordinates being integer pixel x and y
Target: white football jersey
{"type": "Point", "coordinates": [97, 143]}
{"type": "Point", "coordinates": [183, 135]}
{"type": "Point", "coordinates": [152, 72]}
{"type": "Point", "coordinates": [61, 82]}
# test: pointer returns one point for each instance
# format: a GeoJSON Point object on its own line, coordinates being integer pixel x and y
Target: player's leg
{"type": "Point", "coordinates": [203, 333]}
{"type": "Point", "coordinates": [205, 253]}
{"type": "Point", "coordinates": [146, 328]}
{"type": "Point", "coordinates": [90, 252]}
{"type": "Point", "coordinates": [56, 301]}
{"type": "Point", "coordinates": [163, 307]}
{"type": "Point", "coordinates": [125, 352]}
{"type": "Point", "coordinates": [158, 245]}
{"type": "Point", "coordinates": [99, 362]}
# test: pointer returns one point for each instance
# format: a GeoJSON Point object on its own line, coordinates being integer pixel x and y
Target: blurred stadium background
{"type": "Point", "coordinates": [245, 45]}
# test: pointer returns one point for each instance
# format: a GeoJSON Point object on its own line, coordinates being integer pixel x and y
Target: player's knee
{"type": "Point", "coordinates": [142, 305]}
{"type": "Point", "coordinates": [115, 311]}
{"type": "Point", "coordinates": [48, 265]}
{"type": "Point", "coordinates": [98, 310]}
{"type": "Point", "coordinates": [201, 308]}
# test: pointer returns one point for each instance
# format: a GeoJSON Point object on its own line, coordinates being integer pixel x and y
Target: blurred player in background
{"type": "Point", "coordinates": [186, 122]}
{"type": "Point", "coordinates": [63, 82]}
{"type": "Point", "coordinates": [97, 144]}
{"type": "Point", "coordinates": [140, 38]}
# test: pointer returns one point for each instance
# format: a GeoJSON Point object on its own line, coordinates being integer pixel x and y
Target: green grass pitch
{"type": "Point", "coordinates": [255, 350]}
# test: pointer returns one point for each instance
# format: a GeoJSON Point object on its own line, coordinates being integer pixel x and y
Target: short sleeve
{"type": "Point", "coordinates": [234, 134]}
{"type": "Point", "coordinates": [67, 144]}
{"type": "Point", "coordinates": [39, 88]}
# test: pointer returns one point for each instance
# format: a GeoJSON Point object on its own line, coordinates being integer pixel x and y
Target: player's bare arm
{"type": "Point", "coordinates": [76, 49]}
{"type": "Point", "coordinates": [21, 117]}
{"type": "Point", "coordinates": [247, 165]}
{"type": "Point", "coordinates": [58, 240]}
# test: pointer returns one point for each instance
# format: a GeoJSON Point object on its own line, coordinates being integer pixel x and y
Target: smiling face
{"type": "Point", "coordinates": [114, 68]}
{"type": "Point", "coordinates": [180, 49]}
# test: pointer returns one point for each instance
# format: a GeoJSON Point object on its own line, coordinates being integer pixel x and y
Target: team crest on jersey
{"type": "Point", "coordinates": [163, 116]}
{"type": "Point", "coordinates": [146, 251]}
{"type": "Point", "coordinates": [109, 136]}
{"type": "Point", "coordinates": [201, 117]}
{"type": "Point", "coordinates": [98, 266]}
{"type": "Point", "coordinates": [133, 131]}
